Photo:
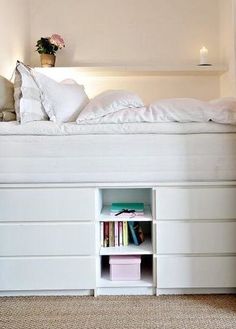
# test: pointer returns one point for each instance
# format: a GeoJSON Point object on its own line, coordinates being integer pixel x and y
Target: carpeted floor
{"type": "Point", "coordinates": [177, 312]}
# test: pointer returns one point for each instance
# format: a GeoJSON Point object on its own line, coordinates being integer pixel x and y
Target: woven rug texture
{"type": "Point", "coordinates": [123, 312]}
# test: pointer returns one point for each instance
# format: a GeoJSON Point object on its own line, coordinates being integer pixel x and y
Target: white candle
{"type": "Point", "coordinates": [203, 56]}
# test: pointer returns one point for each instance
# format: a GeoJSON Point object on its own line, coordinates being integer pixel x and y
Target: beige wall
{"type": "Point", "coordinates": [14, 27]}
{"type": "Point", "coordinates": [162, 32]}
{"type": "Point", "coordinates": [227, 46]}
{"type": "Point", "coordinates": [132, 32]}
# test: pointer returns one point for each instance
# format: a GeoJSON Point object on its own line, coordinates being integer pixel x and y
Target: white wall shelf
{"type": "Point", "coordinates": [107, 217]}
{"type": "Point", "coordinates": [148, 70]}
{"type": "Point", "coordinates": [144, 248]}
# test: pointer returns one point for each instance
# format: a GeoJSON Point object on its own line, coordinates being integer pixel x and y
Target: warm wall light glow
{"type": "Point", "coordinates": [203, 56]}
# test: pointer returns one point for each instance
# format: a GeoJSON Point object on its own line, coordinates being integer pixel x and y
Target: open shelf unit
{"type": "Point", "coordinates": [146, 278]}
{"type": "Point", "coordinates": [145, 249]}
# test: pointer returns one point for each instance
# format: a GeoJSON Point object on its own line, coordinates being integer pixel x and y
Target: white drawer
{"type": "Point", "coordinates": [47, 273]}
{"type": "Point", "coordinates": [47, 239]}
{"type": "Point", "coordinates": [196, 203]}
{"type": "Point", "coordinates": [196, 272]}
{"type": "Point", "coordinates": [47, 204]}
{"type": "Point", "coordinates": [196, 237]}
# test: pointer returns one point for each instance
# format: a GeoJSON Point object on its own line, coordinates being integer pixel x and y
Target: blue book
{"type": "Point", "coordinates": [133, 233]}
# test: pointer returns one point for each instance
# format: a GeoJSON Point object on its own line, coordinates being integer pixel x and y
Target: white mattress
{"type": "Point", "coordinates": [148, 153]}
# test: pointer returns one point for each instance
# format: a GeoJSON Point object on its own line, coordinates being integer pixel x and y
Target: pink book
{"type": "Point", "coordinates": [116, 234]}
{"type": "Point", "coordinates": [120, 234]}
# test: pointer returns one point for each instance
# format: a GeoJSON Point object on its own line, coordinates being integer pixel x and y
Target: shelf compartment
{"type": "Point", "coordinates": [146, 276]}
{"type": "Point", "coordinates": [105, 216]}
{"type": "Point", "coordinates": [144, 248]}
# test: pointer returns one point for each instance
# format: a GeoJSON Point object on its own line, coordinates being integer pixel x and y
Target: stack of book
{"type": "Point", "coordinates": [121, 233]}
{"type": "Point", "coordinates": [114, 234]}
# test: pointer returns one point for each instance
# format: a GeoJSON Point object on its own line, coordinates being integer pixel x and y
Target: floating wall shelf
{"type": "Point", "coordinates": [142, 70]}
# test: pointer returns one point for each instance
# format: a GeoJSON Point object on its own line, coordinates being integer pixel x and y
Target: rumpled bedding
{"type": "Point", "coordinates": [170, 110]}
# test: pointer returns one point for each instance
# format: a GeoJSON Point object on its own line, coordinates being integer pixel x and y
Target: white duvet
{"type": "Point", "coordinates": [166, 110]}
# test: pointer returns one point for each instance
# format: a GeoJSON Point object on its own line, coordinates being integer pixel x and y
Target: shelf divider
{"type": "Point", "coordinates": [144, 248]}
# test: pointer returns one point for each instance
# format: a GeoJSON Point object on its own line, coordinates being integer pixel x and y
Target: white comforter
{"type": "Point", "coordinates": [164, 110]}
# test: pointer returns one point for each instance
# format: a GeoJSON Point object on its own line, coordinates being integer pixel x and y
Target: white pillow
{"type": "Point", "coordinates": [62, 101]}
{"type": "Point", "coordinates": [28, 105]}
{"type": "Point", "coordinates": [224, 110]}
{"type": "Point", "coordinates": [109, 102]}
{"type": "Point", "coordinates": [181, 110]}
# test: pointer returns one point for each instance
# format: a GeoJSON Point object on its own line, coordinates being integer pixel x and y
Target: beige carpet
{"type": "Point", "coordinates": [177, 312]}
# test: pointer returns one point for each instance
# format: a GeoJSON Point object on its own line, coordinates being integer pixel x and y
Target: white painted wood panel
{"type": "Point", "coordinates": [47, 273]}
{"type": "Point", "coordinates": [26, 239]}
{"type": "Point", "coordinates": [196, 237]}
{"type": "Point", "coordinates": [196, 272]}
{"type": "Point", "coordinates": [47, 204]}
{"type": "Point", "coordinates": [196, 203]}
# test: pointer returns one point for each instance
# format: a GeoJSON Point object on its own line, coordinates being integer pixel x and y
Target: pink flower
{"type": "Point", "coordinates": [57, 40]}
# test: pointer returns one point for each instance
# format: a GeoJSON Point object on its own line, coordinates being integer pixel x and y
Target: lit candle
{"type": "Point", "coordinates": [203, 56]}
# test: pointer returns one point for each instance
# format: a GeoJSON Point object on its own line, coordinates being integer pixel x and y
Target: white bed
{"type": "Point", "coordinates": [42, 152]}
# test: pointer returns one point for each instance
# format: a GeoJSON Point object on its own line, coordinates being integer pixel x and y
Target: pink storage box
{"type": "Point", "coordinates": [125, 268]}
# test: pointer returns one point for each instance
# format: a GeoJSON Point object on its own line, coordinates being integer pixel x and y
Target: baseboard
{"type": "Point", "coordinates": [195, 291]}
{"type": "Point", "coordinates": [125, 291]}
{"type": "Point", "coordinates": [82, 292]}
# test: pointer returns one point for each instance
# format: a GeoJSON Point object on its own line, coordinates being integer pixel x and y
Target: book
{"type": "Point", "coordinates": [125, 234]}
{"type": "Point", "coordinates": [116, 207]}
{"type": "Point", "coordinates": [126, 214]}
{"type": "Point", "coordinates": [102, 234]}
{"type": "Point", "coordinates": [136, 232]}
{"type": "Point", "coordinates": [106, 234]}
{"type": "Point", "coordinates": [116, 233]}
{"type": "Point", "coordinates": [111, 235]}
{"type": "Point", "coordinates": [120, 226]}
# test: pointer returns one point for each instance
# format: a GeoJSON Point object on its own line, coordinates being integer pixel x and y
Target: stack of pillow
{"type": "Point", "coordinates": [39, 98]}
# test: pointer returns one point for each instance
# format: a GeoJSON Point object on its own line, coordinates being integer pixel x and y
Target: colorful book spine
{"type": "Point", "coordinates": [106, 234]}
{"type": "Point", "coordinates": [111, 234]}
{"type": "Point", "coordinates": [125, 234]}
{"type": "Point", "coordinates": [102, 234]}
{"type": "Point", "coordinates": [120, 225]}
{"type": "Point", "coordinates": [116, 231]}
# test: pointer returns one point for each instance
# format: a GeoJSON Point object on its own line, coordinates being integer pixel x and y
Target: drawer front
{"type": "Point", "coordinates": [47, 273]}
{"type": "Point", "coordinates": [39, 204]}
{"type": "Point", "coordinates": [40, 239]}
{"type": "Point", "coordinates": [196, 237]}
{"type": "Point", "coordinates": [196, 203]}
{"type": "Point", "coordinates": [196, 272]}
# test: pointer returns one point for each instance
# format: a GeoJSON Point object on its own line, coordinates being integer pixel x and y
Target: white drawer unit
{"type": "Point", "coordinates": [28, 239]}
{"type": "Point", "coordinates": [196, 237]}
{"type": "Point", "coordinates": [189, 203]}
{"type": "Point", "coordinates": [52, 238]}
{"type": "Point", "coordinates": [196, 272]}
{"type": "Point", "coordinates": [47, 273]}
{"type": "Point", "coordinates": [47, 204]}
